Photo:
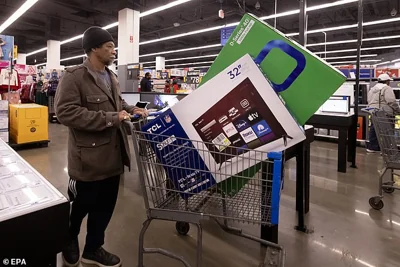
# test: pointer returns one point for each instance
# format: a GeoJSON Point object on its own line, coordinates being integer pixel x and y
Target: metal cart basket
{"type": "Point", "coordinates": [251, 196]}
{"type": "Point", "coordinates": [388, 138]}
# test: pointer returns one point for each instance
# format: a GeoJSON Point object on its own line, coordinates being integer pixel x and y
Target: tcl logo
{"type": "Point", "coordinates": [154, 128]}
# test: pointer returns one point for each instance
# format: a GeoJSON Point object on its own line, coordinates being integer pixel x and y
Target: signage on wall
{"type": "Point", "coordinates": [131, 39]}
{"type": "Point", "coordinates": [193, 77]}
{"type": "Point", "coordinates": [6, 47]}
{"type": "Point", "coordinates": [226, 33]}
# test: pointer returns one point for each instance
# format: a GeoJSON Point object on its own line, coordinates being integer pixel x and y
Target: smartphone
{"type": "Point", "coordinates": [142, 104]}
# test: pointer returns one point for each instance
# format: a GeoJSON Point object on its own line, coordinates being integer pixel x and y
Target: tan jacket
{"type": "Point", "coordinates": [381, 96]}
{"type": "Point", "coordinates": [98, 146]}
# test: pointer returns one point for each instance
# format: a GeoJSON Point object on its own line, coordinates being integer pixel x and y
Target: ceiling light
{"type": "Point", "coordinates": [187, 34]}
{"type": "Point", "coordinates": [193, 63]}
{"type": "Point", "coordinates": [20, 11]}
{"type": "Point", "coordinates": [164, 7]}
{"type": "Point", "coordinates": [69, 58]}
{"type": "Point", "coordinates": [353, 61]}
{"type": "Point", "coordinates": [376, 22]}
{"type": "Point", "coordinates": [185, 58]}
{"type": "Point", "coordinates": [343, 57]}
{"type": "Point", "coordinates": [181, 50]}
{"type": "Point", "coordinates": [383, 63]}
{"type": "Point", "coordinates": [112, 25]}
{"type": "Point", "coordinates": [396, 60]}
{"type": "Point", "coordinates": [332, 43]}
{"type": "Point", "coordinates": [362, 49]}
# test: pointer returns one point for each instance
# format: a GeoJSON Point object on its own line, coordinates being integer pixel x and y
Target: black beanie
{"type": "Point", "coordinates": [95, 36]}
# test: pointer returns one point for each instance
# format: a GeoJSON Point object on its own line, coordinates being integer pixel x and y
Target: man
{"type": "Point", "coordinates": [381, 96]}
{"type": "Point", "coordinates": [145, 83]}
{"type": "Point", "coordinates": [88, 101]}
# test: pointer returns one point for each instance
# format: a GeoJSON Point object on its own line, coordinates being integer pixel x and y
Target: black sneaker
{"type": "Point", "coordinates": [101, 258]}
{"type": "Point", "coordinates": [71, 253]}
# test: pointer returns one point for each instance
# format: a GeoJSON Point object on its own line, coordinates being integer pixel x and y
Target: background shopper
{"type": "Point", "coordinates": [89, 102]}
{"type": "Point", "coordinates": [381, 96]}
{"type": "Point", "coordinates": [145, 83]}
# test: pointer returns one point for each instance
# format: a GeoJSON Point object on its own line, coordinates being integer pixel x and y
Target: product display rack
{"type": "Point", "coordinates": [33, 213]}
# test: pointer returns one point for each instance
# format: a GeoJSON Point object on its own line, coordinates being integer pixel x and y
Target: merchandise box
{"type": "Point", "coordinates": [29, 123]}
{"type": "Point", "coordinates": [303, 80]}
{"type": "Point", "coordinates": [227, 119]}
{"type": "Point", "coordinates": [3, 105]}
{"type": "Point", "coordinates": [3, 122]}
{"type": "Point", "coordinates": [4, 135]}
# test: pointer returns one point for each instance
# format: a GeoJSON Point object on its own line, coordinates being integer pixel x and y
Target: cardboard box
{"type": "Point", "coordinates": [4, 135]}
{"type": "Point", "coordinates": [244, 112]}
{"type": "Point", "coordinates": [29, 123]}
{"type": "Point", "coordinates": [3, 105]}
{"type": "Point", "coordinates": [3, 122]}
{"type": "Point", "coordinates": [302, 79]}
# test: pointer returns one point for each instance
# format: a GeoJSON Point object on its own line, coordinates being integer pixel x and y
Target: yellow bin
{"type": "Point", "coordinates": [29, 123]}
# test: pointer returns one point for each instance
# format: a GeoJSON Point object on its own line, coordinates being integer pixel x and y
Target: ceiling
{"type": "Point", "coordinates": [61, 20]}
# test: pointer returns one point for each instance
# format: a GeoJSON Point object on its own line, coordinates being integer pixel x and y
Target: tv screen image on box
{"type": "Point", "coordinates": [240, 120]}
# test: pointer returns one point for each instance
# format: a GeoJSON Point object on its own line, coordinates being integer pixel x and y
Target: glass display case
{"type": "Point", "coordinates": [22, 189]}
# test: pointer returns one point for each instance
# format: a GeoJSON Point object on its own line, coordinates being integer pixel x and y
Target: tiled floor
{"type": "Point", "coordinates": [347, 233]}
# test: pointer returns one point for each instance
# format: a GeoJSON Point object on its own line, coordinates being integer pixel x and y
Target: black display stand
{"type": "Point", "coordinates": [301, 152]}
{"type": "Point", "coordinates": [346, 125]}
{"type": "Point", "coordinates": [35, 237]}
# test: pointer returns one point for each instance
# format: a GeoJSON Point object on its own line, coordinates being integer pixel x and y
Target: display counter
{"type": "Point", "coordinates": [34, 215]}
{"type": "Point", "coordinates": [344, 124]}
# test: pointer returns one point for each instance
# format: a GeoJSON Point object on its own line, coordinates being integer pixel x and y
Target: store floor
{"type": "Point", "coordinates": [347, 233]}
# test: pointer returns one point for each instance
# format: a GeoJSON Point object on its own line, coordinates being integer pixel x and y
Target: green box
{"type": "Point", "coordinates": [303, 80]}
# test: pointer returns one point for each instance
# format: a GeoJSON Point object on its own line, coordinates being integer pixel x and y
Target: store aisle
{"type": "Point", "coordinates": [347, 232]}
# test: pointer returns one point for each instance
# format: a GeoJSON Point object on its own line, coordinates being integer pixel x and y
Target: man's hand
{"type": "Point", "coordinates": [141, 111]}
{"type": "Point", "coordinates": [123, 115]}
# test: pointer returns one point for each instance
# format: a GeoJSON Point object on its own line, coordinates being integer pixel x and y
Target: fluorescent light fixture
{"type": "Point", "coordinates": [164, 7]}
{"type": "Point", "coordinates": [186, 34]}
{"type": "Point", "coordinates": [343, 57]}
{"type": "Point", "coordinates": [362, 49]}
{"type": "Point", "coordinates": [37, 51]}
{"type": "Point", "coordinates": [181, 50]}
{"type": "Point", "coordinates": [112, 25]}
{"type": "Point", "coordinates": [396, 60]}
{"type": "Point", "coordinates": [353, 61]}
{"type": "Point", "coordinates": [20, 11]}
{"type": "Point", "coordinates": [394, 222]}
{"type": "Point", "coordinates": [42, 64]}
{"type": "Point", "coordinates": [185, 58]}
{"type": "Point", "coordinates": [383, 63]}
{"type": "Point", "coordinates": [182, 58]}
{"type": "Point", "coordinates": [193, 63]}
{"type": "Point", "coordinates": [69, 58]}
{"type": "Point", "coordinates": [369, 23]}
{"type": "Point", "coordinates": [355, 41]}
{"type": "Point", "coordinates": [284, 14]}
{"type": "Point", "coordinates": [312, 8]}
{"type": "Point", "coordinates": [332, 43]}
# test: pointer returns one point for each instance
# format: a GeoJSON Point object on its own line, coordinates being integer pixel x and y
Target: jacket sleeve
{"type": "Point", "coordinates": [391, 100]}
{"type": "Point", "coordinates": [128, 108]}
{"type": "Point", "coordinates": [71, 113]}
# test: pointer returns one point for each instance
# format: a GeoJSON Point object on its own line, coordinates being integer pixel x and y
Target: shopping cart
{"type": "Point", "coordinates": [255, 201]}
{"type": "Point", "coordinates": [389, 141]}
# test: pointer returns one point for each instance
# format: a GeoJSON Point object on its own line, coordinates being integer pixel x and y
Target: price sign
{"type": "Point", "coordinates": [193, 77]}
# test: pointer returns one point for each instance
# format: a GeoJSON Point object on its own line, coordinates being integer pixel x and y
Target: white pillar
{"type": "Point", "coordinates": [128, 48]}
{"type": "Point", "coordinates": [160, 63]}
{"type": "Point", "coordinates": [128, 36]}
{"type": "Point", "coordinates": [53, 54]}
{"type": "Point", "coordinates": [21, 59]}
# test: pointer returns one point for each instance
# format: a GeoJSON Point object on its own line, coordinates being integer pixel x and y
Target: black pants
{"type": "Point", "coordinates": [97, 200]}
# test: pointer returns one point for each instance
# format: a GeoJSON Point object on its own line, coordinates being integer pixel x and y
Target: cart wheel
{"type": "Point", "coordinates": [182, 228]}
{"type": "Point", "coordinates": [388, 189]}
{"type": "Point", "coordinates": [376, 203]}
